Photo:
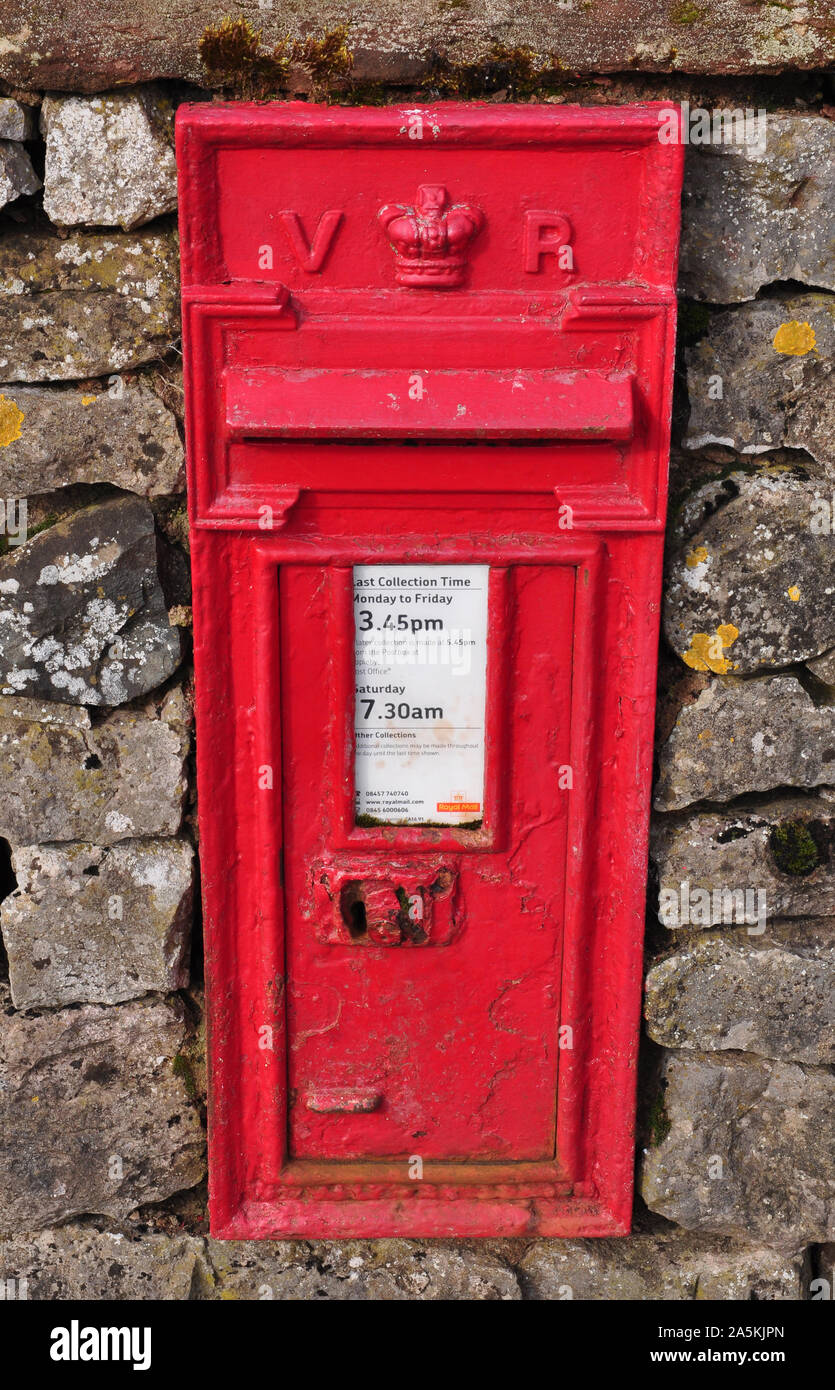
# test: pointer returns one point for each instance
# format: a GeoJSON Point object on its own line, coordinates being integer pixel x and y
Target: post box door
{"type": "Point", "coordinates": [441, 1041]}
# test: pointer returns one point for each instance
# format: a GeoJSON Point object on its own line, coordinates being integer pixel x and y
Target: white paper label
{"type": "Point", "coordinates": [420, 663]}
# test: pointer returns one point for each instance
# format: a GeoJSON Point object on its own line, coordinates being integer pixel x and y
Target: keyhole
{"type": "Point", "coordinates": [357, 919]}
{"type": "Point", "coordinates": [353, 909]}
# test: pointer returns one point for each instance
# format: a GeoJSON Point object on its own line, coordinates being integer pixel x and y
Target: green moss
{"type": "Point", "coordinates": [173, 520]}
{"type": "Point", "coordinates": [687, 13]}
{"type": "Point", "coordinates": [229, 47]}
{"type": "Point", "coordinates": [232, 55]}
{"type": "Point", "coordinates": [43, 525]}
{"type": "Point", "coordinates": [182, 1068]}
{"type": "Point", "coordinates": [327, 59]}
{"type": "Point", "coordinates": [794, 848]}
{"type": "Point", "coordinates": [235, 61]}
{"type": "Point", "coordinates": [366, 94]}
{"type": "Point", "coordinates": [519, 71]}
{"type": "Point", "coordinates": [6, 547]}
{"type": "Point", "coordinates": [659, 1121]}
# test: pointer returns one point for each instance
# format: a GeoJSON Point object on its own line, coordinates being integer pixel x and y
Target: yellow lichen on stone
{"type": "Point", "coordinates": [793, 593]}
{"type": "Point", "coordinates": [707, 650]}
{"type": "Point", "coordinates": [11, 419]}
{"type": "Point", "coordinates": [794, 339]}
{"type": "Point", "coordinates": [697, 556]}
{"type": "Point", "coordinates": [697, 657]}
{"type": "Point", "coordinates": [88, 400]}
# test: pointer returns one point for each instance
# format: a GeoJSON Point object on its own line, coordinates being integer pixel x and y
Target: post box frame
{"type": "Point", "coordinates": [615, 552]}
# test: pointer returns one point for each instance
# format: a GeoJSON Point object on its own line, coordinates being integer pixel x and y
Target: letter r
{"type": "Point", "coordinates": [545, 234]}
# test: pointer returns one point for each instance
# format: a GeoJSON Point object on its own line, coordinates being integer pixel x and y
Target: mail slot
{"type": "Point", "coordinates": [341, 403]}
{"type": "Point", "coordinates": [428, 357]}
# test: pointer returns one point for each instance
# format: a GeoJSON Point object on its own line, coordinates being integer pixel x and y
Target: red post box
{"type": "Point", "coordinates": [428, 369]}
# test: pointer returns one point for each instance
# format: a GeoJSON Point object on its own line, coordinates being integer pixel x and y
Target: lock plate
{"type": "Point", "coordinates": [357, 902]}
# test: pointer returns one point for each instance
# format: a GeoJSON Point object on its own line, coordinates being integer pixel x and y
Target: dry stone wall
{"type": "Point", "coordinates": [102, 1070]}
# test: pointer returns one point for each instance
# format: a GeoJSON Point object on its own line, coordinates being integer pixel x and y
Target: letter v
{"type": "Point", "coordinates": [311, 255]}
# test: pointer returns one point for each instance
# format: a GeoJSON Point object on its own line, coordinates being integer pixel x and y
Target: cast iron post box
{"type": "Point", "coordinates": [428, 371]}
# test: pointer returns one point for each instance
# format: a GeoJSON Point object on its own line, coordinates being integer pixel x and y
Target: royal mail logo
{"type": "Point", "coordinates": [458, 806]}
{"type": "Point", "coordinates": [431, 239]}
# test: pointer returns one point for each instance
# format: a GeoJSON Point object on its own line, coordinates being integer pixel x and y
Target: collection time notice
{"type": "Point", "coordinates": [419, 705]}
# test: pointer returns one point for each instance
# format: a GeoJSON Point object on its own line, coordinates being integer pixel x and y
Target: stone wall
{"type": "Point", "coordinates": [102, 1074]}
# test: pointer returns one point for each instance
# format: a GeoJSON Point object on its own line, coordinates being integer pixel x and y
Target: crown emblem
{"type": "Point", "coordinates": [431, 239]}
